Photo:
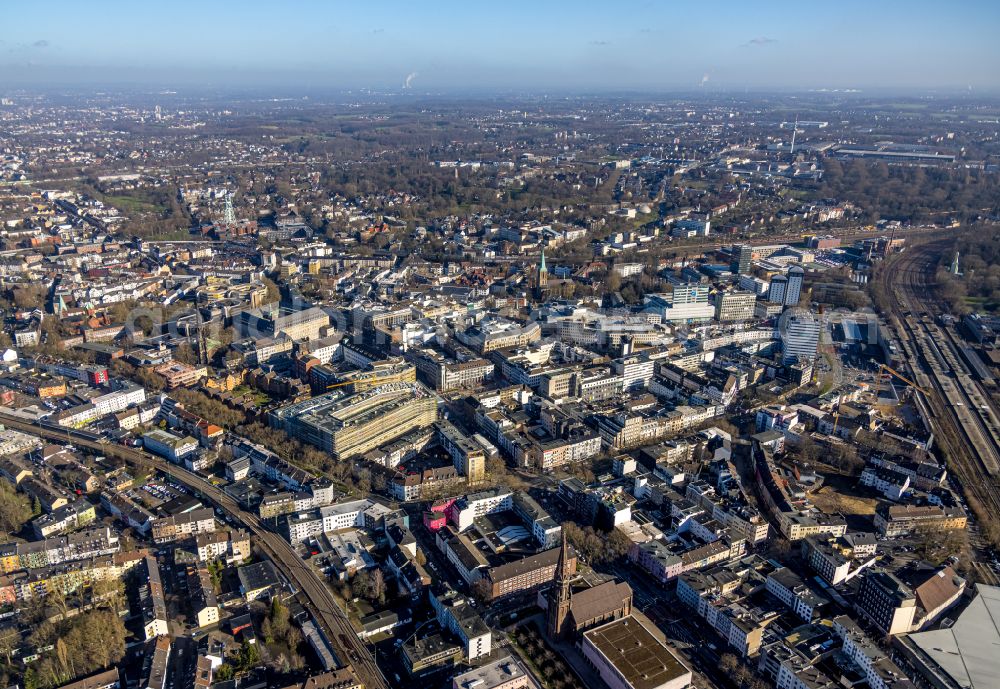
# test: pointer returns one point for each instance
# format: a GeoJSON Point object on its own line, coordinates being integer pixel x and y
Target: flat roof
{"type": "Point", "coordinates": [643, 660]}
{"type": "Point", "coordinates": [495, 674]}
{"type": "Point", "coordinates": [967, 651]}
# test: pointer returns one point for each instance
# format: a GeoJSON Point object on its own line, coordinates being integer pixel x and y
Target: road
{"type": "Point", "coordinates": [961, 412]}
{"type": "Point", "coordinates": [318, 597]}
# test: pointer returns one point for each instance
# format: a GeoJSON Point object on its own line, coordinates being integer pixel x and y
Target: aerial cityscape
{"type": "Point", "coordinates": [428, 346]}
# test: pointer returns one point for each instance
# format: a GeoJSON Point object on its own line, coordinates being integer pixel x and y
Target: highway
{"type": "Point", "coordinates": [318, 597]}
{"type": "Point", "coordinates": [962, 414]}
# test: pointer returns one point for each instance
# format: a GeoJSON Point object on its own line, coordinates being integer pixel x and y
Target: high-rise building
{"type": "Point", "coordinates": [778, 290]}
{"type": "Point", "coordinates": [794, 289]}
{"type": "Point", "coordinates": [742, 255]}
{"type": "Point", "coordinates": [689, 293]}
{"type": "Point", "coordinates": [734, 306]}
{"type": "Point", "coordinates": [800, 338]}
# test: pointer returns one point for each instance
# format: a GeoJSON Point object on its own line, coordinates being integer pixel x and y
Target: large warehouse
{"type": "Point", "coordinates": [963, 655]}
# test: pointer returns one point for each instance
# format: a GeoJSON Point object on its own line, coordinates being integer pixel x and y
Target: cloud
{"type": "Point", "coordinates": [40, 44]}
{"type": "Point", "coordinates": [760, 40]}
{"type": "Point", "coordinates": [599, 43]}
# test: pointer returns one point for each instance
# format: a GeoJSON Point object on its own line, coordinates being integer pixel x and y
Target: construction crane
{"type": "Point", "coordinates": [883, 368]}
{"type": "Point", "coordinates": [878, 383]}
{"type": "Point", "coordinates": [392, 377]}
{"type": "Point", "coordinates": [331, 386]}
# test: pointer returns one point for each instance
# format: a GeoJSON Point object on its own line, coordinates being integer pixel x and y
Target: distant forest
{"type": "Point", "coordinates": [914, 194]}
{"type": "Point", "coordinates": [978, 288]}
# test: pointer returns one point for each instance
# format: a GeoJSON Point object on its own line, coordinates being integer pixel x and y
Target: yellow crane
{"type": "Point", "coordinates": [341, 384]}
{"type": "Point", "coordinates": [368, 382]}
{"type": "Point", "coordinates": [883, 368]}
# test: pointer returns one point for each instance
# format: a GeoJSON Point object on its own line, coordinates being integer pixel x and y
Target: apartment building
{"type": "Point", "coordinates": [185, 524]}
{"type": "Point", "coordinates": [527, 574]}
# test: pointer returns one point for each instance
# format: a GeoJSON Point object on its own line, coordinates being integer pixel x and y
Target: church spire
{"type": "Point", "coordinates": [542, 279]}
{"type": "Point", "coordinates": [559, 594]}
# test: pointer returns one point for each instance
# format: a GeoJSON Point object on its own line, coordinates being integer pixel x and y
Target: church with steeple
{"type": "Point", "coordinates": [570, 613]}
{"type": "Point", "coordinates": [541, 278]}
{"type": "Point", "coordinates": [559, 595]}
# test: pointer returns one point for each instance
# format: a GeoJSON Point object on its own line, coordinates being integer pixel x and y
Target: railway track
{"type": "Point", "coordinates": [962, 413]}
{"type": "Point", "coordinates": [319, 599]}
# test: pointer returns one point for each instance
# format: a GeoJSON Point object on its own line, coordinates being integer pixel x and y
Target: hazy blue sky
{"type": "Point", "coordinates": [536, 45]}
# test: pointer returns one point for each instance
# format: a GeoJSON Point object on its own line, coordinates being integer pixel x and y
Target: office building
{"type": "Point", "coordinates": [778, 289]}
{"type": "Point", "coordinates": [800, 338]}
{"type": "Point", "coordinates": [466, 454]}
{"type": "Point", "coordinates": [350, 425]}
{"type": "Point", "coordinates": [272, 321]}
{"type": "Point", "coordinates": [742, 256]}
{"type": "Point", "coordinates": [793, 290]}
{"type": "Point", "coordinates": [734, 306]}
{"type": "Point", "coordinates": [887, 602]}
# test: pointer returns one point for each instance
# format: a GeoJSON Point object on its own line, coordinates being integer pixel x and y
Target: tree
{"type": "Point", "coordinates": [86, 643]}
{"type": "Point", "coordinates": [30, 296]}
{"type": "Point", "coordinates": [743, 675]}
{"type": "Point", "coordinates": [934, 545]}
{"type": "Point", "coordinates": [273, 293]}
{"type": "Point", "coordinates": [15, 509]}
{"type": "Point", "coordinates": [248, 657]}
{"type": "Point", "coordinates": [111, 591]}
{"type": "Point", "coordinates": [781, 548]}
{"type": "Point", "coordinates": [364, 482]}
{"type": "Point", "coordinates": [185, 353]}
{"type": "Point", "coordinates": [370, 584]}
{"type": "Point", "coordinates": [728, 663]}
{"type": "Point", "coordinates": [845, 457]}
{"type": "Point", "coordinates": [59, 599]}
{"type": "Point", "coordinates": [496, 468]}
{"type": "Point", "coordinates": [10, 640]}
{"type": "Point", "coordinates": [808, 450]}
{"type": "Point", "coordinates": [596, 547]}
{"type": "Point", "coordinates": [277, 623]}
{"type": "Point", "coordinates": [482, 591]}
{"type": "Point", "coordinates": [62, 654]}
{"type": "Point", "coordinates": [613, 282]}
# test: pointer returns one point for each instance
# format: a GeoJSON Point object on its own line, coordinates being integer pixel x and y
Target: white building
{"type": "Point", "coordinates": [800, 338]}
{"type": "Point", "coordinates": [628, 656]}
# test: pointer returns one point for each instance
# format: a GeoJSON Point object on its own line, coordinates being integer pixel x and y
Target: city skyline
{"type": "Point", "coordinates": [532, 346]}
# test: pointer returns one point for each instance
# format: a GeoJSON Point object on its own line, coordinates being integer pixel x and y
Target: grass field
{"type": "Point", "coordinates": [831, 500]}
{"type": "Point", "coordinates": [131, 205]}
